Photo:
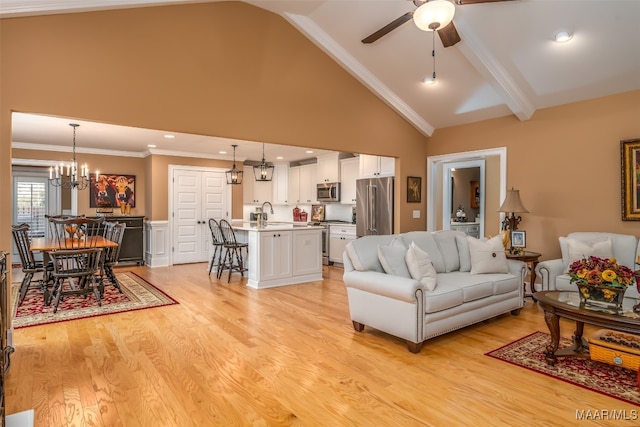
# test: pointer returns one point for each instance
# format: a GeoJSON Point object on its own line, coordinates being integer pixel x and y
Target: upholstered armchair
{"type": "Point", "coordinates": [623, 247]}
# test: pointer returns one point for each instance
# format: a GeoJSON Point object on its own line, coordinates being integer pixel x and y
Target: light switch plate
{"type": "Point", "coordinates": [416, 213]}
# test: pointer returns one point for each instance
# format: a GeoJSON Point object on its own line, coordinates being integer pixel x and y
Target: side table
{"type": "Point", "coordinates": [532, 259]}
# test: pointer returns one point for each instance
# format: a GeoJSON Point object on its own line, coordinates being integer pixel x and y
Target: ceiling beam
{"type": "Point", "coordinates": [319, 37]}
{"type": "Point", "coordinates": [501, 81]}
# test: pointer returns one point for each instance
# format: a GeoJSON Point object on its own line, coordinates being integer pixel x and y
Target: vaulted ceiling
{"type": "Point", "coordinates": [505, 64]}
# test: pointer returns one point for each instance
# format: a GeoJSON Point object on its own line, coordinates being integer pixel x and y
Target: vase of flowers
{"type": "Point", "coordinates": [601, 282]}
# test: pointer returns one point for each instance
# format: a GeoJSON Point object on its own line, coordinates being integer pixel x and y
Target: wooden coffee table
{"type": "Point", "coordinates": [557, 304]}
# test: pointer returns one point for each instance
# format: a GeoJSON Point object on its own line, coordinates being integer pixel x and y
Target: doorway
{"type": "Point", "coordinates": [197, 194]}
{"type": "Point", "coordinates": [494, 188]}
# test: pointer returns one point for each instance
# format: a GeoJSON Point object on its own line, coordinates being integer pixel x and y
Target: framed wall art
{"type": "Point", "coordinates": [630, 168]}
{"type": "Point", "coordinates": [112, 190]}
{"type": "Point", "coordinates": [414, 189]}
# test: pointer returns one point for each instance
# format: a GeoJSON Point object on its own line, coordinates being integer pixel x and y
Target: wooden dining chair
{"type": "Point", "coordinates": [233, 260]}
{"type": "Point", "coordinates": [30, 266]}
{"type": "Point", "coordinates": [114, 231]}
{"type": "Point", "coordinates": [74, 273]}
{"type": "Point", "coordinates": [75, 232]}
{"type": "Point", "coordinates": [218, 245]}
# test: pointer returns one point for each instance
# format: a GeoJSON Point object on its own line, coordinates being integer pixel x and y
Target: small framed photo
{"type": "Point", "coordinates": [518, 239]}
{"type": "Point", "coordinates": [414, 189]}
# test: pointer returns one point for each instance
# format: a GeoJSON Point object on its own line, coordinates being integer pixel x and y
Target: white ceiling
{"type": "Point", "coordinates": [506, 63]}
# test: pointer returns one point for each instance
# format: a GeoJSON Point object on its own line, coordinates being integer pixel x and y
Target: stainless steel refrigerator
{"type": "Point", "coordinates": [374, 206]}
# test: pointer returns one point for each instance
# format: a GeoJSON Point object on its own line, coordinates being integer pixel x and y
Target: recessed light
{"type": "Point", "coordinates": [151, 145]}
{"type": "Point", "coordinates": [279, 157]}
{"type": "Point", "coordinates": [309, 151]}
{"type": "Point", "coordinates": [562, 37]}
{"type": "Point", "coordinates": [222, 152]}
{"type": "Point", "coordinates": [169, 136]}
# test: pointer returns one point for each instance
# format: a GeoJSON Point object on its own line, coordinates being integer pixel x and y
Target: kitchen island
{"type": "Point", "coordinates": [281, 253]}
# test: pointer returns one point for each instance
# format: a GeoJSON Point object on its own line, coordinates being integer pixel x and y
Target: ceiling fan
{"type": "Point", "coordinates": [438, 19]}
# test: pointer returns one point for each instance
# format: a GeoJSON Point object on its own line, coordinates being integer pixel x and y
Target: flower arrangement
{"type": "Point", "coordinates": [601, 279]}
{"type": "Point", "coordinates": [601, 271]}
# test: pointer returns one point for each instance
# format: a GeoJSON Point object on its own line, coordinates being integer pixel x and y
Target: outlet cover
{"type": "Point", "coordinates": [416, 213]}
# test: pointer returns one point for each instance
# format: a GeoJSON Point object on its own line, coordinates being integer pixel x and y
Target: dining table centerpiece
{"type": "Point", "coordinates": [601, 282]}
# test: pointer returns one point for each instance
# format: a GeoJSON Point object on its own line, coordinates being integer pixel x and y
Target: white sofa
{"type": "Point", "coordinates": [405, 307]}
{"type": "Point", "coordinates": [553, 273]}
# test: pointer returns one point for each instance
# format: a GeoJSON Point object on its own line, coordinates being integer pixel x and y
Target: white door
{"type": "Point", "coordinates": [197, 196]}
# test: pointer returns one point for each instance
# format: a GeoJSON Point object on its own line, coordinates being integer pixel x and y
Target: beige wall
{"type": "Point", "coordinates": [565, 161]}
{"type": "Point", "coordinates": [223, 69]}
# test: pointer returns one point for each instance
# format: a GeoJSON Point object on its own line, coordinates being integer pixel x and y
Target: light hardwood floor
{"type": "Point", "coordinates": [231, 355]}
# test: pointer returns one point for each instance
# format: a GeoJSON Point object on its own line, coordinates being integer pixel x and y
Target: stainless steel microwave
{"type": "Point", "coordinates": [328, 192]}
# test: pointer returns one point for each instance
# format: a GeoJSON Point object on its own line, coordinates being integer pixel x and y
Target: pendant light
{"type": "Point", "coordinates": [76, 178]}
{"type": "Point", "coordinates": [263, 171]}
{"type": "Point", "coordinates": [234, 175]}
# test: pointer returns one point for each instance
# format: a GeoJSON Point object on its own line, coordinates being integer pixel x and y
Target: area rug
{"type": "Point", "coordinates": [137, 294]}
{"type": "Point", "coordinates": [613, 381]}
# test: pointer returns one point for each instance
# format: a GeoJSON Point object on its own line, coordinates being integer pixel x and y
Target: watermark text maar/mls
{"type": "Point", "coordinates": [606, 414]}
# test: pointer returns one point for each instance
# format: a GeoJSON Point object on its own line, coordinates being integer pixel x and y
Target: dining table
{"type": "Point", "coordinates": [47, 244]}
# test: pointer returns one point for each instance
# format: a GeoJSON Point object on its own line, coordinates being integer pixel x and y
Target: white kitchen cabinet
{"type": "Point", "coordinates": [328, 168]}
{"type": "Point", "coordinates": [280, 183]}
{"type": "Point", "coordinates": [349, 173]}
{"type": "Point", "coordinates": [339, 236]}
{"type": "Point", "coordinates": [275, 255]}
{"type": "Point", "coordinates": [307, 256]}
{"type": "Point", "coordinates": [255, 192]}
{"type": "Point", "coordinates": [376, 166]}
{"type": "Point", "coordinates": [471, 229]}
{"type": "Point", "coordinates": [302, 184]}
{"type": "Point", "coordinates": [283, 254]}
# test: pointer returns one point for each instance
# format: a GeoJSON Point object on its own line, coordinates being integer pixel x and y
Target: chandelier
{"type": "Point", "coordinates": [75, 178]}
{"type": "Point", "coordinates": [234, 175]}
{"type": "Point", "coordinates": [263, 171]}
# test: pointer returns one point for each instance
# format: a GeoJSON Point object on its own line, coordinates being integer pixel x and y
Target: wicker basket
{"type": "Point", "coordinates": [616, 348]}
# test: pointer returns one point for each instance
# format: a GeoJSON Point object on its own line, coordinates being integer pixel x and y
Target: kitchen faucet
{"type": "Point", "coordinates": [270, 207]}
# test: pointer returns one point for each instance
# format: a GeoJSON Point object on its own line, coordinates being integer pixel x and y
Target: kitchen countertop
{"type": "Point", "coordinates": [464, 223]}
{"type": "Point", "coordinates": [272, 226]}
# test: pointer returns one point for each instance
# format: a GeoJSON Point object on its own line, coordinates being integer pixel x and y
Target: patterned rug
{"type": "Point", "coordinates": [613, 381]}
{"type": "Point", "coordinates": [137, 294]}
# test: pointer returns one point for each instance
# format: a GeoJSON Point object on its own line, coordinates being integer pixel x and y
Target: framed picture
{"type": "Point", "coordinates": [111, 190]}
{"type": "Point", "coordinates": [630, 159]}
{"type": "Point", "coordinates": [518, 239]}
{"type": "Point", "coordinates": [317, 213]}
{"type": "Point", "coordinates": [414, 189]}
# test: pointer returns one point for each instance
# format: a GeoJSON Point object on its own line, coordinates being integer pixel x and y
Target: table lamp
{"type": "Point", "coordinates": [511, 206]}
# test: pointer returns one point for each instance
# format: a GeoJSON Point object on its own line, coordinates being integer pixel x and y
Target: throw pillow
{"type": "Point", "coordinates": [578, 249]}
{"type": "Point", "coordinates": [392, 259]}
{"type": "Point", "coordinates": [420, 266]}
{"type": "Point", "coordinates": [487, 256]}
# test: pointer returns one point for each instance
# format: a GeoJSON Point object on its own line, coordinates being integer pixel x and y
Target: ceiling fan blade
{"type": "Point", "coordinates": [449, 35]}
{"type": "Point", "coordinates": [461, 2]}
{"type": "Point", "coordinates": [388, 28]}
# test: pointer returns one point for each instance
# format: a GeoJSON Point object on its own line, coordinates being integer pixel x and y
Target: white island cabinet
{"type": "Point", "coordinates": [282, 254]}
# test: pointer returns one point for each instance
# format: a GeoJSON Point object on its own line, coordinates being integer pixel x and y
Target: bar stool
{"type": "Point", "coordinates": [218, 245]}
{"type": "Point", "coordinates": [233, 259]}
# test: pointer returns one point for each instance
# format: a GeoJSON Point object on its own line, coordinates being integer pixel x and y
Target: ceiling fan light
{"type": "Point", "coordinates": [434, 14]}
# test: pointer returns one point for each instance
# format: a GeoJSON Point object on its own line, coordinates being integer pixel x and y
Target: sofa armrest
{"type": "Point", "coordinates": [517, 268]}
{"type": "Point", "coordinates": [400, 288]}
{"type": "Point", "coordinates": [548, 271]}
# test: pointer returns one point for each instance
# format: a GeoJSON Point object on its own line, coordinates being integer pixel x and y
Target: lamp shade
{"type": "Point", "coordinates": [434, 14]}
{"type": "Point", "coordinates": [512, 202]}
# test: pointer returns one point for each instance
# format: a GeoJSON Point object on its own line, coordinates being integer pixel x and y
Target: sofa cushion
{"type": "Point", "coordinates": [426, 242]}
{"type": "Point", "coordinates": [420, 267]}
{"type": "Point", "coordinates": [473, 286]}
{"type": "Point", "coordinates": [446, 295]}
{"type": "Point", "coordinates": [392, 258]}
{"type": "Point", "coordinates": [446, 241]}
{"type": "Point", "coordinates": [576, 249]}
{"type": "Point", "coordinates": [487, 256]}
{"type": "Point", "coordinates": [463, 251]}
{"type": "Point", "coordinates": [363, 252]}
